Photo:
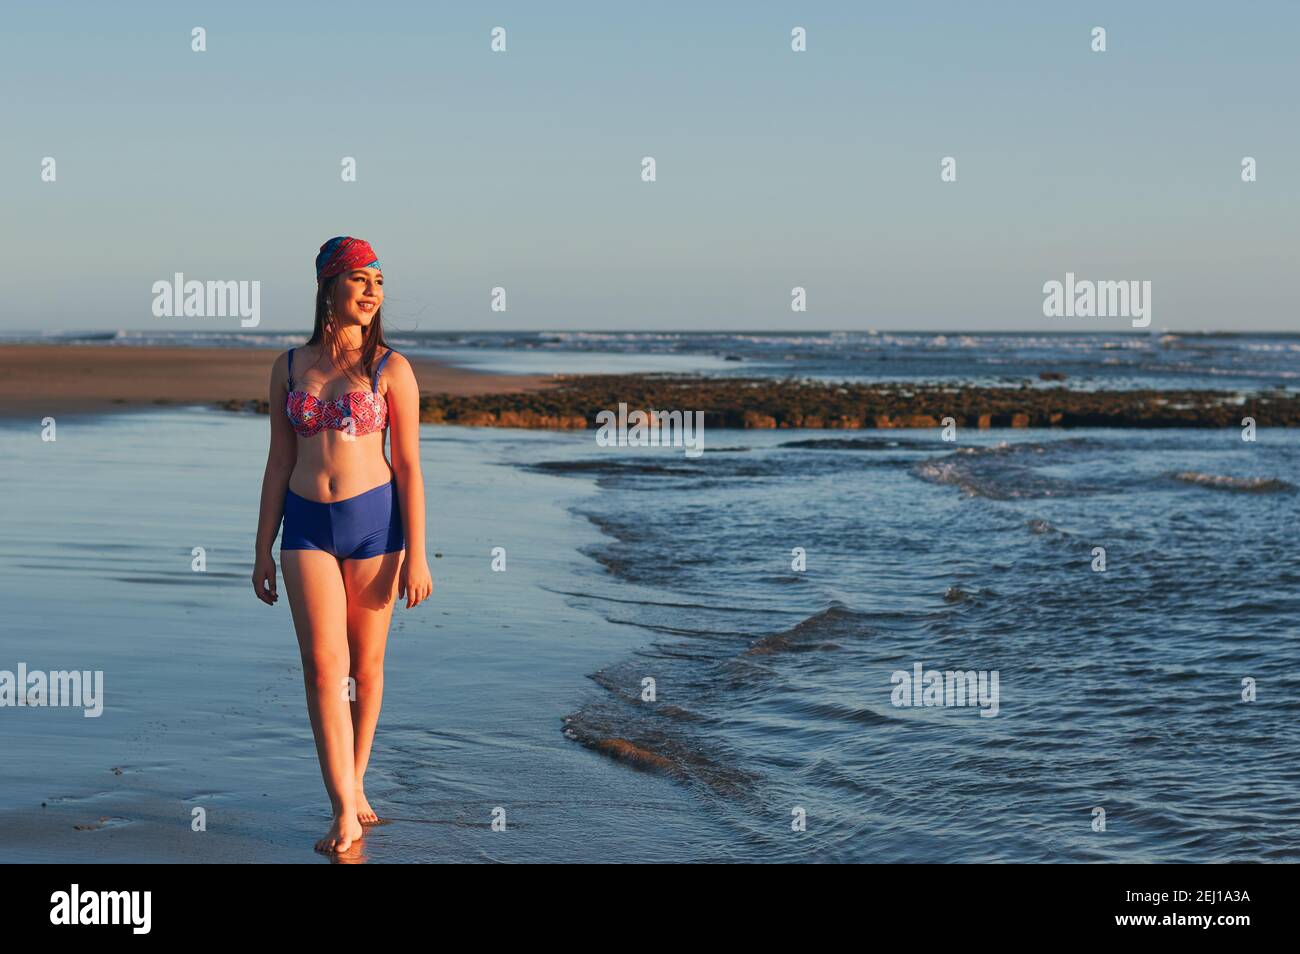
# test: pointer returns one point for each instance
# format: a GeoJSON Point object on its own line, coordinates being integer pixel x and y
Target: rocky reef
{"type": "Point", "coordinates": [573, 402]}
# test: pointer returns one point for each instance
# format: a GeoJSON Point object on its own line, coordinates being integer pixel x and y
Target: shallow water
{"type": "Point", "coordinates": [1119, 689]}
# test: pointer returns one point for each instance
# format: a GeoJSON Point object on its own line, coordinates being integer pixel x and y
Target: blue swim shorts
{"type": "Point", "coordinates": [353, 529]}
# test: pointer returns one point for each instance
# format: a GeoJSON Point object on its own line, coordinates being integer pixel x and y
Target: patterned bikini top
{"type": "Point", "coordinates": [365, 411]}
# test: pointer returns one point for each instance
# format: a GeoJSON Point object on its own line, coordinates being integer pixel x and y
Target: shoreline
{"type": "Point", "coordinates": [41, 379]}
{"type": "Point", "coordinates": [49, 379]}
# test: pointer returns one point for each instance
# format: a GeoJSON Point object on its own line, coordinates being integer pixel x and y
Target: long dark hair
{"type": "Point", "coordinates": [372, 337]}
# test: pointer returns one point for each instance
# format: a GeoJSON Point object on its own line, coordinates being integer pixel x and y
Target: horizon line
{"type": "Point", "coordinates": [678, 331]}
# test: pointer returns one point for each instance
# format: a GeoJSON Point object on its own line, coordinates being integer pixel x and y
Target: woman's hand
{"type": "Point", "coordinates": [414, 584]}
{"type": "Point", "coordinates": [264, 579]}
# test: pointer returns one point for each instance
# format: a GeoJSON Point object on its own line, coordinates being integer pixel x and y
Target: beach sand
{"type": "Point", "coordinates": [49, 379]}
{"type": "Point", "coordinates": [204, 705]}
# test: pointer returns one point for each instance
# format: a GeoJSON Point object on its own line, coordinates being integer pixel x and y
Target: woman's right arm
{"type": "Point", "coordinates": [280, 459]}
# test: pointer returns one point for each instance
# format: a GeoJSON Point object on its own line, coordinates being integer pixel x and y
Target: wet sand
{"type": "Point", "coordinates": [204, 705]}
{"type": "Point", "coordinates": [50, 379]}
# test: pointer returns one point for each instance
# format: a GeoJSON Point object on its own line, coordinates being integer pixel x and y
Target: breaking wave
{"type": "Point", "coordinates": [1248, 485]}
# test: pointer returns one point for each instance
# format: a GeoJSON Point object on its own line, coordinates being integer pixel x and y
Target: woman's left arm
{"type": "Point", "coordinates": [414, 582]}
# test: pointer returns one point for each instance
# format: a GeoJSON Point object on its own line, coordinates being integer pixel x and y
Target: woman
{"type": "Point", "coordinates": [348, 515]}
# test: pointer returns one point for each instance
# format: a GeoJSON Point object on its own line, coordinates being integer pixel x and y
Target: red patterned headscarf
{"type": "Point", "coordinates": [342, 254]}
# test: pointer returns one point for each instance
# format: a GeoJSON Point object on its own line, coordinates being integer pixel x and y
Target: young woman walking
{"type": "Point", "coordinates": [353, 522]}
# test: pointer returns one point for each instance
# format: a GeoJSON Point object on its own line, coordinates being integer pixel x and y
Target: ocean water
{"type": "Point", "coordinates": [1088, 361]}
{"type": "Point", "coordinates": [1120, 689]}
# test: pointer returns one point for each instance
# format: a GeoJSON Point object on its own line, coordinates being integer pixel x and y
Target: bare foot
{"type": "Point", "coordinates": [345, 830]}
{"type": "Point", "coordinates": [365, 814]}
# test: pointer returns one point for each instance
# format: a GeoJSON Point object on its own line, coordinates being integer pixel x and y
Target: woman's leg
{"type": "Point", "coordinates": [318, 600]}
{"type": "Point", "coordinates": [371, 586]}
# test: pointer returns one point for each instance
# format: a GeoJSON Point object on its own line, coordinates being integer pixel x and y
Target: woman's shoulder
{"type": "Point", "coordinates": [282, 369]}
{"type": "Point", "coordinates": [295, 354]}
{"type": "Point", "coordinates": [392, 366]}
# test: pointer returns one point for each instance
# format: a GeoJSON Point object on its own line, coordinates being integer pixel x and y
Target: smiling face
{"type": "Point", "coordinates": [358, 295]}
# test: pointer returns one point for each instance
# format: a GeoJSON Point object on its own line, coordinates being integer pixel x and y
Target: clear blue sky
{"type": "Point", "coordinates": [775, 168]}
